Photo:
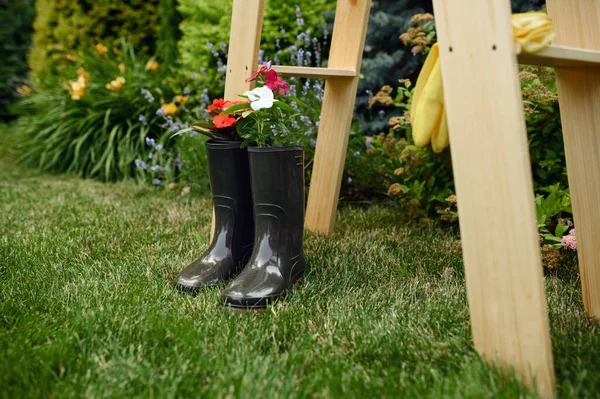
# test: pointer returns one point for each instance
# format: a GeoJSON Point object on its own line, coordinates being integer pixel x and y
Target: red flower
{"type": "Point", "coordinates": [217, 105]}
{"type": "Point", "coordinates": [220, 104]}
{"type": "Point", "coordinates": [221, 121]}
{"type": "Point", "coordinates": [275, 83]}
{"type": "Point", "coordinates": [263, 69]}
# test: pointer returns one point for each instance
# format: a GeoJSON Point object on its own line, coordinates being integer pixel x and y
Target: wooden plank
{"type": "Point", "coordinates": [579, 97]}
{"type": "Point", "coordinates": [311, 72]}
{"type": "Point", "coordinates": [244, 43]}
{"type": "Point", "coordinates": [562, 56]}
{"type": "Point", "coordinates": [492, 171]}
{"type": "Point", "coordinates": [242, 56]}
{"type": "Point", "coordinates": [347, 43]}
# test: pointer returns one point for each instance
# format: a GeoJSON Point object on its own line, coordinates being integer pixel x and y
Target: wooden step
{"type": "Point", "coordinates": [561, 57]}
{"type": "Point", "coordinates": [312, 72]}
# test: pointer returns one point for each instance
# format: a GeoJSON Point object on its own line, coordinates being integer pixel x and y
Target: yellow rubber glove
{"type": "Point", "coordinates": [532, 30]}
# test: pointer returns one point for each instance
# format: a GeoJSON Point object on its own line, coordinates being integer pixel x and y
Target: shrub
{"type": "Point", "coordinates": [16, 18]}
{"type": "Point", "coordinates": [63, 25]}
{"type": "Point", "coordinates": [94, 121]}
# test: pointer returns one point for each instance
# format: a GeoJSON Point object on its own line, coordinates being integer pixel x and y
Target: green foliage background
{"type": "Point", "coordinates": [16, 17]}
{"type": "Point", "coordinates": [63, 25]}
{"type": "Point", "coordinates": [206, 20]}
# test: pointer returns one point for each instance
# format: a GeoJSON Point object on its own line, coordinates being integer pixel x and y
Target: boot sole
{"type": "Point", "coordinates": [260, 307]}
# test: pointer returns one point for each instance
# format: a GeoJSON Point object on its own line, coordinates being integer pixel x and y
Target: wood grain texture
{"type": "Point", "coordinates": [494, 188]}
{"type": "Point", "coordinates": [577, 24]}
{"type": "Point", "coordinates": [311, 72]}
{"type": "Point", "coordinates": [244, 43]}
{"type": "Point", "coordinates": [562, 56]}
{"type": "Point", "coordinates": [347, 43]}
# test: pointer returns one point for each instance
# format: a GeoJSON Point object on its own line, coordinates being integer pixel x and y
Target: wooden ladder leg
{"type": "Point", "coordinates": [579, 97]}
{"type": "Point", "coordinates": [242, 55]}
{"type": "Point", "coordinates": [347, 43]}
{"type": "Point", "coordinates": [492, 171]}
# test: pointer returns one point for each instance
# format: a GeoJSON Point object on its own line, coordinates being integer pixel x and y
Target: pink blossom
{"type": "Point", "coordinates": [262, 70]}
{"type": "Point", "coordinates": [275, 83]}
{"type": "Point", "coordinates": [570, 241]}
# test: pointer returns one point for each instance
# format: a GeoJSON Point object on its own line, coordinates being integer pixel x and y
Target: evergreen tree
{"type": "Point", "coordinates": [385, 58]}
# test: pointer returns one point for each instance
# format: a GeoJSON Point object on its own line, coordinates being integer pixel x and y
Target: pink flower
{"type": "Point", "coordinates": [275, 83]}
{"type": "Point", "coordinates": [263, 69]}
{"type": "Point", "coordinates": [570, 241]}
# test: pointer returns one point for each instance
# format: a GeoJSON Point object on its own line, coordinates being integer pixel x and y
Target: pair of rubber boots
{"type": "Point", "coordinates": [258, 197]}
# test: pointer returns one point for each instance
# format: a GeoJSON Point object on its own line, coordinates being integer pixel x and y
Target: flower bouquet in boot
{"type": "Point", "coordinates": [229, 175]}
{"type": "Point", "coordinates": [277, 181]}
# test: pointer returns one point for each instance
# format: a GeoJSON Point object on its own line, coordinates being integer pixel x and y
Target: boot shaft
{"type": "Point", "coordinates": [229, 173]}
{"type": "Point", "coordinates": [277, 175]}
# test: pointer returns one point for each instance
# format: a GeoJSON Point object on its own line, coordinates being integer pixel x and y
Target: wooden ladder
{"type": "Point", "coordinates": [492, 170]}
{"type": "Point", "coordinates": [342, 74]}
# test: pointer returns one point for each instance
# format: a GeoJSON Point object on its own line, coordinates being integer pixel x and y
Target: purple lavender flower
{"type": "Point", "coordinates": [160, 112]}
{"type": "Point", "coordinates": [156, 182]}
{"type": "Point", "coordinates": [142, 118]}
{"type": "Point", "coordinates": [186, 91]}
{"type": "Point", "coordinates": [313, 143]}
{"type": "Point", "coordinates": [141, 164]}
{"type": "Point", "coordinates": [159, 147]}
{"type": "Point", "coordinates": [156, 168]}
{"type": "Point", "coordinates": [349, 180]}
{"type": "Point", "coordinates": [149, 97]}
{"type": "Point", "coordinates": [357, 154]}
{"type": "Point", "coordinates": [151, 156]}
{"type": "Point", "coordinates": [306, 120]}
{"type": "Point", "coordinates": [381, 114]}
{"type": "Point", "coordinates": [150, 142]}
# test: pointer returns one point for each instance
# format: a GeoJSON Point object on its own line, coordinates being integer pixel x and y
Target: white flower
{"type": "Point", "coordinates": [261, 97]}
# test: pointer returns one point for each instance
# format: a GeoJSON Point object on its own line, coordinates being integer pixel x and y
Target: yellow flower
{"type": "Point", "coordinates": [101, 48]}
{"type": "Point", "coordinates": [532, 30]}
{"type": "Point", "coordinates": [70, 57]}
{"type": "Point", "coordinates": [122, 68]}
{"type": "Point", "coordinates": [169, 109]}
{"type": "Point", "coordinates": [83, 76]}
{"type": "Point", "coordinates": [181, 99]}
{"type": "Point", "coordinates": [116, 85]}
{"type": "Point", "coordinates": [24, 90]}
{"type": "Point", "coordinates": [76, 89]}
{"type": "Point", "coordinates": [152, 66]}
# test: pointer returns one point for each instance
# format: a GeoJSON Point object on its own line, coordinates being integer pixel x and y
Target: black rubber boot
{"type": "Point", "coordinates": [231, 245]}
{"type": "Point", "coordinates": [277, 261]}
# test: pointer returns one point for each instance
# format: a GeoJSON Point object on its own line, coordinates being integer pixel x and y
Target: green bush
{"type": "Point", "coordinates": [63, 25]}
{"type": "Point", "coordinates": [79, 125]}
{"type": "Point", "coordinates": [16, 18]}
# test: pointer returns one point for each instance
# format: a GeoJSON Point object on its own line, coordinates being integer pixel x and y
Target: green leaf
{"type": "Point", "coordinates": [560, 230]}
{"type": "Point", "coordinates": [234, 108]}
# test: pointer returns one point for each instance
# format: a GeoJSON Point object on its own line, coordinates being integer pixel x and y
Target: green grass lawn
{"type": "Point", "coordinates": [87, 309]}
